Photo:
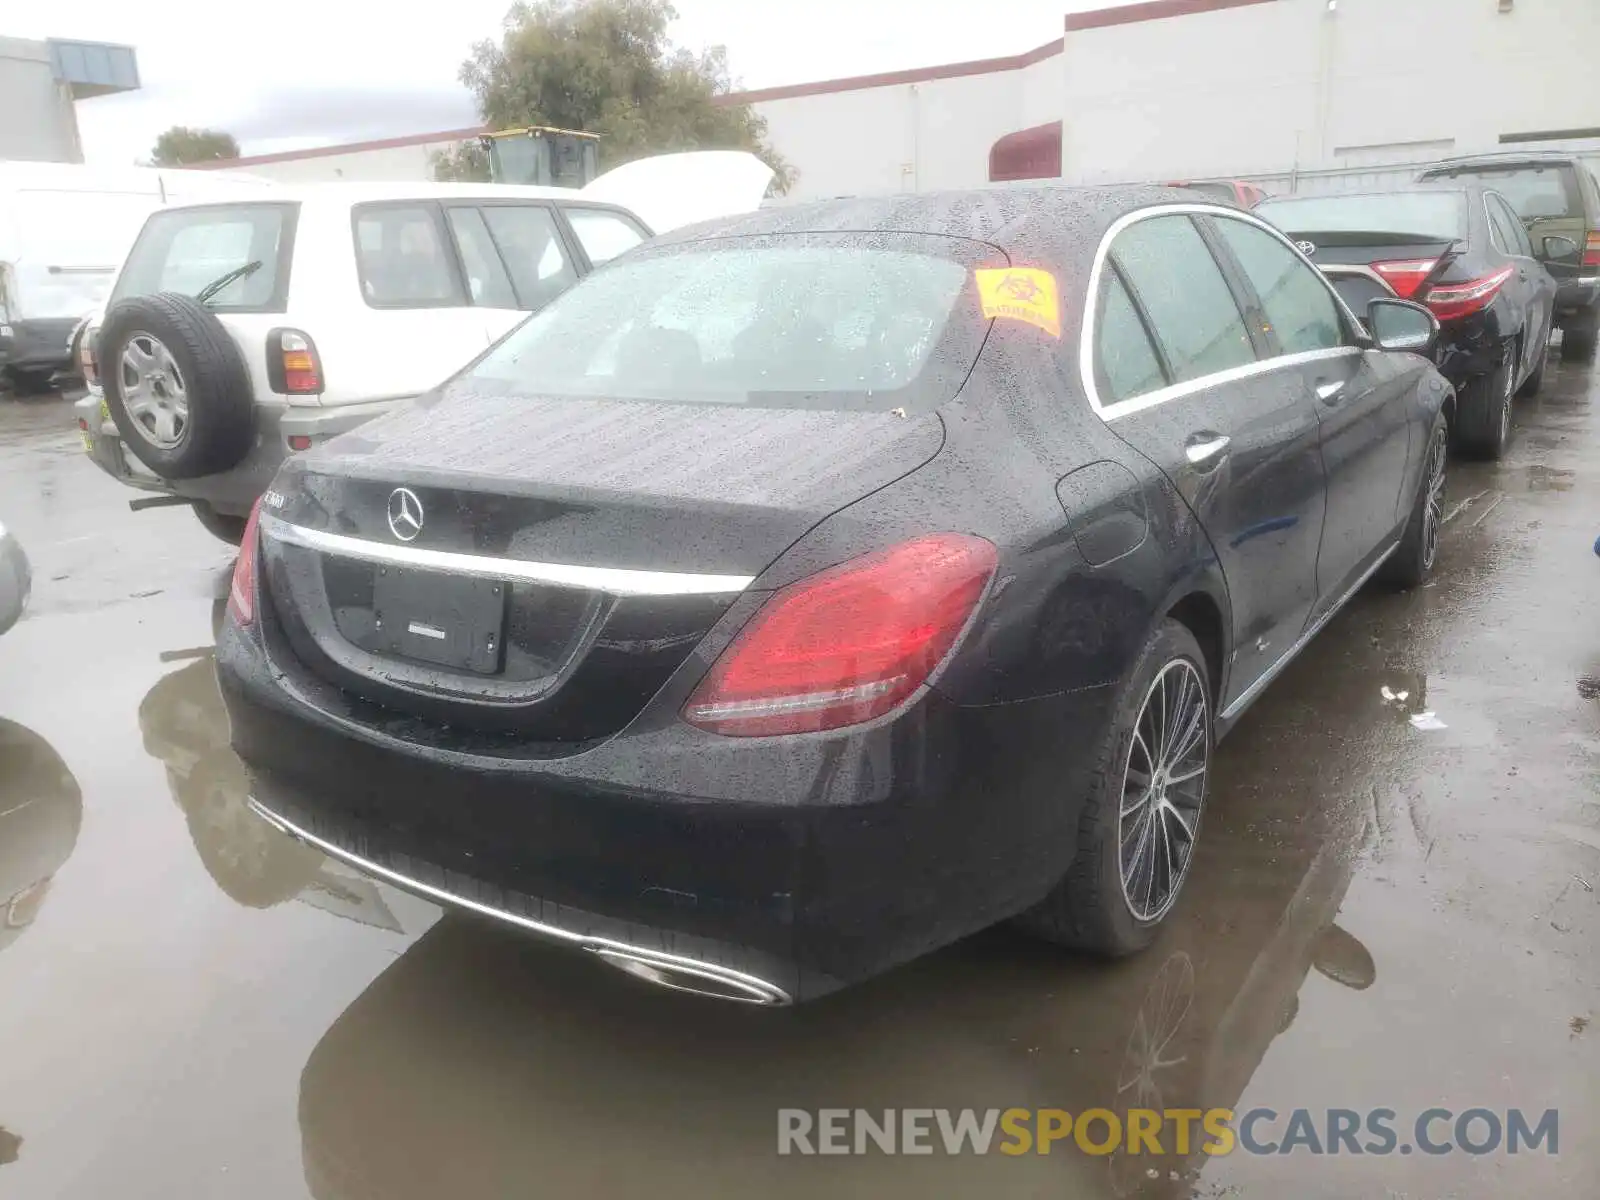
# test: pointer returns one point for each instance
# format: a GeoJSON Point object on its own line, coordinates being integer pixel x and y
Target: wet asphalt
{"type": "Point", "coordinates": [1388, 910]}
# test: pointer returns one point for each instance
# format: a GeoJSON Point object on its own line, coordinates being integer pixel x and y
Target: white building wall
{"type": "Point", "coordinates": [1259, 90]}
{"type": "Point", "coordinates": [922, 136]}
{"type": "Point", "coordinates": [37, 121]}
{"type": "Point", "coordinates": [396, 164]}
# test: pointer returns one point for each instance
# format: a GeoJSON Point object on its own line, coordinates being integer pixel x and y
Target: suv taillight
{"type": "Point", "coordinates": [242, 591]}
{"type": "Point", "coordinates": [1591, 251]}
{"type": "Point", "coordinates": [293, 367]}
{"type": "Point", "coordinates": [1452, 301]}
{"type": "Point", "coordinates": [847, 644]}
{"type": "Point", "coordinates": [86, 361]}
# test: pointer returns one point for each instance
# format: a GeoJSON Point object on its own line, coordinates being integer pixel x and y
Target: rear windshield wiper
{"type": "Point", "coordinates": [205, 294]}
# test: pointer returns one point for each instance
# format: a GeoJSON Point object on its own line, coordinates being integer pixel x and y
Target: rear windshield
{"type": "Point", "coordinates": [1430, 216]}
{"type": "Point", "coordinates": [187, 249]}
{"type": "Point", "coordinates": [853, 322]}
{"type": "Point", "coordinates": [1534, 191]}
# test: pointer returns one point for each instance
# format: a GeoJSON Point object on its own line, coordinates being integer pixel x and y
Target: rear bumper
{"type": "Point", "coordinates": [235, 490]}
{"type": "Point", "coordinates": [1579, 296]}
{"type": "Point", "coordinates": [799, 863]}
{"type": "Point", "coordinates": [41, 344]}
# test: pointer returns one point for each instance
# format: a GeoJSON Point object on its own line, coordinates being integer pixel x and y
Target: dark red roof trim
{"type": "Point", "coordinates": [980, 66]}
{"type": "Point", "coordinates": [1154, 10]}
{"type": "Point", "coordinates": [394, 143]}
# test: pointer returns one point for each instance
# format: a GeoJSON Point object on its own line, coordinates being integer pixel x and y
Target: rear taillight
{"type": "Point", "coordinates": [1452, 301]}
{"type": "Point", "coordinates": [242, 591]}
{"type": "Point", "coordinates": [86, 363]}
{"type": "Point", "coordinates": [1406, 277]}
{"type": "Point", "coordinates": [293, 368]}
{"type": "Point", "coordinates": [1591, 250]}
{"type": "Point", "coordinates": [847, 644]}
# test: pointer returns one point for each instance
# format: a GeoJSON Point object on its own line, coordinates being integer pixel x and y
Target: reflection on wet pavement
{"type": "Point", "coordinates": [1385, 911]}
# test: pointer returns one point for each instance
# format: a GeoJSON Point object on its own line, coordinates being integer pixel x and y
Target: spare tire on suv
{"type": "Point", "coordinates": [177, 386]}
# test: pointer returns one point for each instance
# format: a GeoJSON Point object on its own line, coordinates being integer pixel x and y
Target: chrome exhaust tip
{"type": "Point", "coordinates": [698, 978]}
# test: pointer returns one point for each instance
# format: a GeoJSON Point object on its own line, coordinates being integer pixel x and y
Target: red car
{"type": "Point", "coordinates": [1229, 191]}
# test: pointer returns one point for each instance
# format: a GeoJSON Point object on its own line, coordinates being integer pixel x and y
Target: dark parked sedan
{"type": "Point", "coordinates": [804, 592]}
{"type": "Point", "coordinates": [1460, 249]}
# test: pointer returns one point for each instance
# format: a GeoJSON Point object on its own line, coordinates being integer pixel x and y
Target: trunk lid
{"type": "Point", "coordinates": [537, 568]}
{"type": "Point", "coordinates": [1408, 265]}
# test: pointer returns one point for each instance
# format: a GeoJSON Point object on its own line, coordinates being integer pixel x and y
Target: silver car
{"type": "Point", "coordinates": [16, 580]}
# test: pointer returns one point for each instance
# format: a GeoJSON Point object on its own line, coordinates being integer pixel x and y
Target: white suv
{"type": "Point", "coordinates": [240, 332]}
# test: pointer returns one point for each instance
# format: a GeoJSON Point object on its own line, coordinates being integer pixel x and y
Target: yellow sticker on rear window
{"type": "Point", "coordinates": [1021, 294]}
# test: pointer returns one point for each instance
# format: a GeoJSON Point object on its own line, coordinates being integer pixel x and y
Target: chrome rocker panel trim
{"type": "Point", "coordinates": [1288, 656]}
{"type": "Point", "coordinates": [616, 581]}
{"type": "Point", "coordinates": [736, 986]}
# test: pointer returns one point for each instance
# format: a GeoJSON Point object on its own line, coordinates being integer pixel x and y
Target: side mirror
{"type": "Point", "coordinates": [1561, 249]}
{"type": "Point", "coordinates": [1402, 325]}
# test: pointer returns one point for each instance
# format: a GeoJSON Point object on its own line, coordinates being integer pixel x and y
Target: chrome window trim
{"type": "Point", "coordinates": [1086, 341]}
{"type": "Point", "coordinates": [616, 581]}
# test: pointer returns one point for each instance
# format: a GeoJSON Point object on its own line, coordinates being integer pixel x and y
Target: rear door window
{"type": "Point", "coordinates": [1512, 231]}
{"type": "Point", "coordinates": [531, 247]}
{"type": "Point", "coordinates": [487, 281]}
{"type": "Point", "coordinates": [1298, 305]}
{"type": "Point", "coordinates": [1194, 316]}
{"type": "Point", "coordinates": [186, 249]}
{"type": "Point", "coordinates": [1127, 360]}
{"type": "Point", "coordinates": [403, 258]}
{"type": "Point", "coordinates": [604, 235]}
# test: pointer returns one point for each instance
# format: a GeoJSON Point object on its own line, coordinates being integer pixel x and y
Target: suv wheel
{"type": "Point", "coordinates": [1578, 340]}
{"type": "Point", "coordinates": [177, 386]}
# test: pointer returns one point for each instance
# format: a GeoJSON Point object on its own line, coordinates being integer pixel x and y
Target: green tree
{"type": "Point", "coordinates": [181, 145]}
{"type": "Point", "coordinates": [465, 162]}
{"type": "Point", "coordinates": [607, 67]}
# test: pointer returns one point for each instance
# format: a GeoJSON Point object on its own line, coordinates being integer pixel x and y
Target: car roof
{"type": "Point", "coordinates": [364, 193]}
{"type": "Point", "coordinates": [1009, 218]}
{"type": "Point", "coordinates": [1426, 187]}
{"type": "Point", "coordinates": [1506, 158]}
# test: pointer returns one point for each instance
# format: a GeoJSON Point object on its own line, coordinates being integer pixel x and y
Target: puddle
{"type": "Point", "coordinates": [1549, 479]}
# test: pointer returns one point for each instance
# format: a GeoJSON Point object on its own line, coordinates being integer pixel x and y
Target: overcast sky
{"type": "Point", "coordinates": [296, 73]}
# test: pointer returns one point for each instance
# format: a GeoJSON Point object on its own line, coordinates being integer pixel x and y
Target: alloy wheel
{"type": "Point", "coordinates": [153, 391]}
{"type": "Point", "coordinates": [1433, 514]}
{"type": "Point", "coordinates": [1164, 789]}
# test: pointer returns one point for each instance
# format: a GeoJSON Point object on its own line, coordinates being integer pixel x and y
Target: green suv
{"type": "Point", "coordinates": [1558, 199]}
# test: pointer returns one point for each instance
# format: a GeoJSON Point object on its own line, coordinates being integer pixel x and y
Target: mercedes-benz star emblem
{"type": "Point", "coordinates": [1309, 249]}
{"type": "Point", "coordinates": [405, 514]}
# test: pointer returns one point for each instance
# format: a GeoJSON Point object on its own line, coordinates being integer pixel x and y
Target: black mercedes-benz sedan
{"type": "Point", "coordinates": [808, 590]}
{"type": "Point", "coordinates": [1460, 249]}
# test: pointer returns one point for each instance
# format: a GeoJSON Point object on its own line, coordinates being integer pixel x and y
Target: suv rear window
{"type": "Point", "coordinates": [185, 249]}
{"type": "Point", "coordinates": [1430, 215]}
{"type": "Point", "coordinates": [1534, 191]}
{"type": "Point", "coordinates": [781, 321]}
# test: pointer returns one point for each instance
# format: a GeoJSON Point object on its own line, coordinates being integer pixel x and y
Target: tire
{"type": "Point", "coordinates": [220, 525]}
{"type": "Point", "coordinates": [1483, 410]}
{"type": "Point", "coordinates": [1092, 908]}
{"type": "Point", "coordinates": [192, 408]}
{"type": "Point", "coordinates": [1579, 339]}
{"type": "Point", "coordinates": [25, 382]}
{"type": "Point", "coordinates": [1412, 562]}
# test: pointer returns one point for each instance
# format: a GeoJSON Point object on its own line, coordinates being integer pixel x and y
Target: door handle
{"type": "Point", "coordinates": [1329, 392]}
{"type": "Point", "coordinates": [1206, 448]}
